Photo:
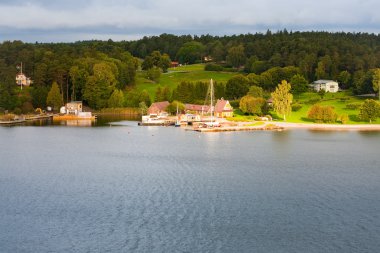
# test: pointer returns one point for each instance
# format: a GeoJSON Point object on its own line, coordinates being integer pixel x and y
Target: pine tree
{"type": "Point", "coordinates": [54, 98]}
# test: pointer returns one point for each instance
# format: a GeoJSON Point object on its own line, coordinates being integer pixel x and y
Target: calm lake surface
{"type": "Point", "coordinates": [126, 188]}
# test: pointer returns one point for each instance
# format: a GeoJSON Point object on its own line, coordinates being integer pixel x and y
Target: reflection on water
{"type": "Point", "coordinates": [163, 189]}
{"type": "Point", "coordinates": [102, 120]}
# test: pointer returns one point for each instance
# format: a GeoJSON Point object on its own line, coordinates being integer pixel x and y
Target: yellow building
{"type": "Point", "coordinates": [223, 109]}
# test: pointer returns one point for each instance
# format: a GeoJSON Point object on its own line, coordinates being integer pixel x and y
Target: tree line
{"type": "Point", "coordinates": [93, 70]}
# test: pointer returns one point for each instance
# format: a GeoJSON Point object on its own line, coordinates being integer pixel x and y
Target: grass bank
{"type": "Point", "coordinates": [174, 76]}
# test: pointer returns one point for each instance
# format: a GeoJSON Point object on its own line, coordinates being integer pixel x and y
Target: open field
{"type": "Point", "coordinates": [339, 101]}
{"type": "Point", "coordinates": [189, 73]}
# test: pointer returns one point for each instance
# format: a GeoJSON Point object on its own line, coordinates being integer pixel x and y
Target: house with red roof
{"type": "Point", "coordinates": [223, 109]}
{"type": "Point", "coordinates": [158, 108]}
{"type": "Point", "coordinates": [197, 109]}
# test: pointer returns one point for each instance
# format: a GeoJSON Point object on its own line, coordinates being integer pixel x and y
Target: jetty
{"type": "Point", "coordinates": [12, 122]}
{"type": "Point", "coordinates": [224, 128]}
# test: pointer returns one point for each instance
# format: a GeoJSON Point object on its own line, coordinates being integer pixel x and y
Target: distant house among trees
{"type": "Point", "coordinates": [22, 80]}
{"type": "Point", "coordinates": [158, 108]}
{"type": "Point", "coordinates": [223, 109]}
{"type": "Point", "coordinates": [174, 64]}
{"type": "Point", "coordinates": [327, 85]}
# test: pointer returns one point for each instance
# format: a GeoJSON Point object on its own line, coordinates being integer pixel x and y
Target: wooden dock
{"type": "Point", "coordinates": [12, 122]}
{"type": "Point", "coordinates": [237, 128]}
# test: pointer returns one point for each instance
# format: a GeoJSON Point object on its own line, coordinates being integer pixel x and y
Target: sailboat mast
{"type": "Point", "coordinates": [212, 98]}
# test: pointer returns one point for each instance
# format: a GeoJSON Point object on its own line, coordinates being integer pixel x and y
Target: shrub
{"type": "Point", "coordinates": [235, 103]}
{"type": "Point", "coordinates": [324, 114]}
{"type": "Point", "coordinates": [252, 105]}
{"type": "Point", "coordinates": [296, 107]}
{"type": "Point", "coordinates": [312, 101]}
{"type": "Point", "coordinates": [17, 111]}
{"type": "Point", "coordinates": [353, 106]}
{"type": "Point", "coordinates": [213, 67]}
{"type": "Point", "coordinates": [344, 118]}
{"type": "Point", "coordinates": [369, 110]}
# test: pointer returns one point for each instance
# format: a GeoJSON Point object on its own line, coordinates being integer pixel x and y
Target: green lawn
{"type": "Point", "coordinates": [189, 73]}
{"type": "Point", "coordinates": [337, 100]}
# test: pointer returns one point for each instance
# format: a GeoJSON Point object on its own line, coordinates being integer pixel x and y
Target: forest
{"type": "Point", "coordinates": [103, 73]}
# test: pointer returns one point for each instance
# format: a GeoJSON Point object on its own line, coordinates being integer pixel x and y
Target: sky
{"type": "Point", "coordinates": [75, 20]}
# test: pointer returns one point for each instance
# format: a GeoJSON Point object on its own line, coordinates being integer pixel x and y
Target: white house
{"type": "Point", "coordinates": [327, 85]}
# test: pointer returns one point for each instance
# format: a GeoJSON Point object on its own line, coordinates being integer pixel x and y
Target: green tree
{"type": "Point", "coordinates": [256, 92]}
{"type": "Point", "coordinates": [376, 81]}
{"type": "Point", "coordinates": [344, 78]}
{"type": "Point", "coordinates": [158, 96]}
{"type": "Point", "coordinates": [217, 51]}
{"type": "Point", "coordinates": [153, 74]}
{"type": "Point", "coordinates": [143, 108]}
{"type": "Point", "coordinates": [116, 99]}
{"type": "Point", "coordinates": [253, 105]}
{"type": "Point", "coordinates": [172, 107]}
{"type": "Point", "coordinates": [282, 99]}
{"type": "Point", "coordinates": [190, 52]}
{"type": "Point", "coordinates": [370, 110]}
{"type": "Point", "coordinates": [165, 62]}
{"type": "Point", "coordinates": [299, 84]}
{"type": "Point", "coordinates": [100, 85]}
{"type": "Point", "coordinates": [236, 56]}
{"type": "Point", "coordinates": [39, 95]}
{"type": "Point", "coordinates": [54, 97]}
{"type": "Point", "coordinates": [237, 87]}
{"type": "Point", "coordinates": [166, 95]}
{"type": "Point", "coordinates": [144, 97]}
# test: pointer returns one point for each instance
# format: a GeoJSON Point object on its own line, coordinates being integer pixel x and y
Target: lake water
{"type": "Point", "coordinates": [162, 189]}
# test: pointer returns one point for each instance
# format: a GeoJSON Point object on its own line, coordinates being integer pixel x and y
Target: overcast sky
{"type": "Point", "coordinates": [73, 20]}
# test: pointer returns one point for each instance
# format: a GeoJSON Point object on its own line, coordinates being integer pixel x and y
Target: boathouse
{"type": "Point", "coordinates": [74, 107]}
{"type": "Point", "coordinates": [158, 108]}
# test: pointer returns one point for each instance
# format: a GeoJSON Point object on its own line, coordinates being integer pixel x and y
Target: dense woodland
{"type": "Point", "coordinates": [103, 73]}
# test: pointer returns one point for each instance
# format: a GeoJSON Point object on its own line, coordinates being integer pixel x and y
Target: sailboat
{"type": "Point", "coordinates": [213, 121]}
{"type": "Point", "coordinates": [178, 121]}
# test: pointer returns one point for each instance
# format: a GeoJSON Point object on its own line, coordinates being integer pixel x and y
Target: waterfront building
{"type": "Point", "coordinates": [223, 109]}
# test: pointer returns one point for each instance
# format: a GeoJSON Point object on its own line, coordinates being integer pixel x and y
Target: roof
{"type": "Point", "coordinates": [160, 105]}
{"type": "Point", "coordinates": [193, 107]}
{"type": "Point", "coordinates": [323, 81]}
{"type": "Point", "coordinates": [220, 104]}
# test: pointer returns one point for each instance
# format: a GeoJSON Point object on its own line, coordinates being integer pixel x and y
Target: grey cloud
{"type": "Point", "coordinates": [146, 17]}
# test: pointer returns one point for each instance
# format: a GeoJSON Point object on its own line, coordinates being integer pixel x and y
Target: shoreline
{"type": "Point", "coordinates": [329, 127]}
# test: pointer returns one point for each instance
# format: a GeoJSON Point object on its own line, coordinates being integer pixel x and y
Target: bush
{"type": "Point", "coordinates": [353, 106]}
{"type": "Point", "coordinates": [344, 118]}
{"type": "Point", "coordinates": [296, 107]}
{"type": "Point", "coordinates": [235, 103]}
{"type": "Point", "coordinates": [252, 105]}
{"type": "Point", "coordinates": [312, 101]}
{"type": "Point", "coordinates": [213, 67]}
{"type": "Point", "coordinates": [27, 107]}
{"type": "Point", "coordinates": [324, 114]}
{"type": "Point", "coordinates": [17, 111]}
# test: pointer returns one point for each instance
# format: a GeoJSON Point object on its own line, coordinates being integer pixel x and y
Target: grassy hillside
{"type": "Point", "coordinates": [341, 102]}
{"type": "Point", "coordinates": [190, 73]}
